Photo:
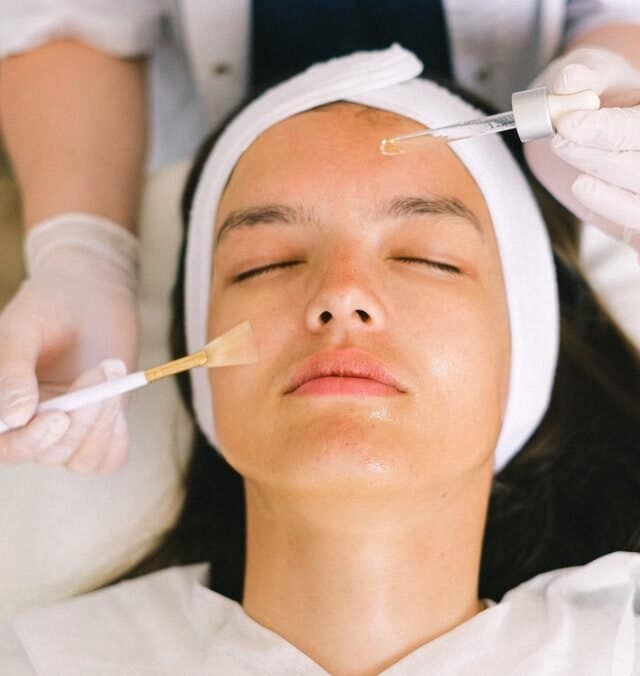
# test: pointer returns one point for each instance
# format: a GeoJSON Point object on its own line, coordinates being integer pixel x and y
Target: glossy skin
{"type": "Point", "coordinates": [367, 504]}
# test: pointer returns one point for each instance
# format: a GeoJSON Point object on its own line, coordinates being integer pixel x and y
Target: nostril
{"type": "Point", "coordinates": [326, 316]}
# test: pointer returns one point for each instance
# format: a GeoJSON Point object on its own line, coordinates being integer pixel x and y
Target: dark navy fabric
{"type": "Point", "coordinates": [289, 35]}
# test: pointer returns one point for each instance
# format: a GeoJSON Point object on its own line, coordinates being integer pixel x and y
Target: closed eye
{"type": "Point", "coordinates": [445, 267]}
{"type": "Point", "coordinates": [260, 271]}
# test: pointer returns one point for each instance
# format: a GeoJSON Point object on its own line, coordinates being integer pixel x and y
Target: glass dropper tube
{"type": "Point", "coordinates": [534, 115]}
{"type": "Point", "coordinates": [398, 145]}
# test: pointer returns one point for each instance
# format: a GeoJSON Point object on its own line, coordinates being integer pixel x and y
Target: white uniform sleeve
{"type": "Point", "coordinates": [584, 15]}
{"type": "Point", "coordinates": [120, 27]}
{"type": "Point", "coordinates": [13, 659]}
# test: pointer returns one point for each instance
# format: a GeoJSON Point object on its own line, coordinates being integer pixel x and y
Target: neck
{"type": "Point", "coordinates": [358, 584]}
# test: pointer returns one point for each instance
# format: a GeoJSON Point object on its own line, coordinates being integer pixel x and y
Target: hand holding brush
{"type": "Point", "coordinates": [235, 347]}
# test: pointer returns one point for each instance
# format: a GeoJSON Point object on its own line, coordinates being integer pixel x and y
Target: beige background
{"type": "Point", "coordinates": [11, 268]}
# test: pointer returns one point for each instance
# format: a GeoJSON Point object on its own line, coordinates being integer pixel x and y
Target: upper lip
{"type": "Point", "coordinates": [344, 363]}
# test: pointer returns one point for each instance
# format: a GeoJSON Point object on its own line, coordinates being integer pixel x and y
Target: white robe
{"type": "Point", "coordinates": [583, 620]}
{"type": "Point", "coordinates": [199, 50]}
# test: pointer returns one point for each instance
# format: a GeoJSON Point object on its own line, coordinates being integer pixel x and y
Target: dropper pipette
{"type": "Point", "coordinates": [534, 115]}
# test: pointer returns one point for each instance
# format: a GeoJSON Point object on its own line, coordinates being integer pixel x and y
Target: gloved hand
{"type": "Point", "coordinates": [76, 308]}
{"type": "Point", "coordinates": [592, 165]}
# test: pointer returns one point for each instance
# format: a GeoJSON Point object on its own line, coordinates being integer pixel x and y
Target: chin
{"type": "Point", "coordinates": [341, 455]}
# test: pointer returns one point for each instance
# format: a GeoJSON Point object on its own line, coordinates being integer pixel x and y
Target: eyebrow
{"type": "Point", "coordinates": [269, 213]}
{"type": "Point", "coordinates": [398, 207]}
{"type": "Point", "coordinates": [405, 206]}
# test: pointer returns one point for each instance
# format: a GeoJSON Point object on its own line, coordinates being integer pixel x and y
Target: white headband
{"type": "Point", "coordinates": [388, 80]}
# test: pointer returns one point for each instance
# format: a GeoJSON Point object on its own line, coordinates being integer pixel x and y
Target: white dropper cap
{"type": "Point", "coordinates": [536, 112]}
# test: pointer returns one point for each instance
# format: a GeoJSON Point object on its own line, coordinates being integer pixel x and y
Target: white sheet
{"type": "Point", "coordinates": [583, 620]}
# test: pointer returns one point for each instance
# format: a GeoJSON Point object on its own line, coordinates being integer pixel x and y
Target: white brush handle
{"type": "Point", "coordinates": [90, 395]}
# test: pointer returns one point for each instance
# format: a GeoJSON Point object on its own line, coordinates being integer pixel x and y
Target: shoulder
{"type": "Point", "coordinates": [617, 571]}
{"type": "Point", "coordinates": [159, 593]}
{"type": "Point", "coordinates": [585, 618]}
{"type": "Point", "coordinates": [147, 622]}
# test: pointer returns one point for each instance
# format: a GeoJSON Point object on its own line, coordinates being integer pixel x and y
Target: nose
{"type": "Point", "coordinates": [345, 301]}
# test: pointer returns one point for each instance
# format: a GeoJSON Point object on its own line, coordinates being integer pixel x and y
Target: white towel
{"type": "Point", "coordinates": [388, 80]}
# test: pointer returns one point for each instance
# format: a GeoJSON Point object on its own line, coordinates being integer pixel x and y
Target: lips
{"type": "Point", "coordinates": [346, 363]}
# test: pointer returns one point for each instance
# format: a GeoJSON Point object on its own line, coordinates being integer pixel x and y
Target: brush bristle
{"type": "Point", "coordinates": [236, 346]}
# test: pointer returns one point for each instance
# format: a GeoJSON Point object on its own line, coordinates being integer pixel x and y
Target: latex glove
{"type": "Point", "coordinates": [76, 308]}
{"type": "Point", "coordinates": [592, 165]}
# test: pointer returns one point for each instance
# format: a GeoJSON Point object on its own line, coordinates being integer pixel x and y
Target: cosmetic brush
{"type": "Point", "coordinates": [236, 346]}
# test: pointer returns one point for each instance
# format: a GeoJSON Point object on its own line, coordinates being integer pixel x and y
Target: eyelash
{"type": "Point", "coordinates": [444, 267]}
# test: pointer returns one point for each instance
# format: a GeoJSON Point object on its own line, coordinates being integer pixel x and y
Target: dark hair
{"type": "Point", "coordinates": [570, 495]}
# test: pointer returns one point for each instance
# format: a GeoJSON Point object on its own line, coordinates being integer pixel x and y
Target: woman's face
{"type": "Point", "coordinates": [394, 257]}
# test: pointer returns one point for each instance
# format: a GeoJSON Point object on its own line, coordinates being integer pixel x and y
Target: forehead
{"type": "Point", "coordinates": [330, 156]}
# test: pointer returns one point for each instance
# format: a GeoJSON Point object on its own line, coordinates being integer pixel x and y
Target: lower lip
{"type": "Point", "coordinates": [344, 385]}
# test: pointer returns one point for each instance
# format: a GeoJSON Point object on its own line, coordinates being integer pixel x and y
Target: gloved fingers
{"type": "Point", "coordinates": [618, 168]}
{"type": "Point", "coordinates": [34, 440]}
{"type": "Point", "coordinates": [615, 129]}
{"type": "Point", "coordinates": [576, 77]}
{"type": "Point", "coordinates": [90, 453]}
{"type": "Point", "coordinates": [19, 348]}
{"type": "Point", "coordinates": [118, 449]}
{"type": "Point", "coordinates": [87, 440]}
{"type": "Point", "coordinates": [608, 74]}
{"type": "Point", "coordinates": [609, 201]}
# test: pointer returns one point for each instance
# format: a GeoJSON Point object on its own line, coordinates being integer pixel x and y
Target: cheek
{"type": "Point", "coordinates": [465, 364]}
{"type": "Point", "coordinates": [240, 393]}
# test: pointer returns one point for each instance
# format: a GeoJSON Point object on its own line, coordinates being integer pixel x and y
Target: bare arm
{"type": "Point", "coordinates": [623, 38]}
{"type": "Point", "coordinates": [74, 124]}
